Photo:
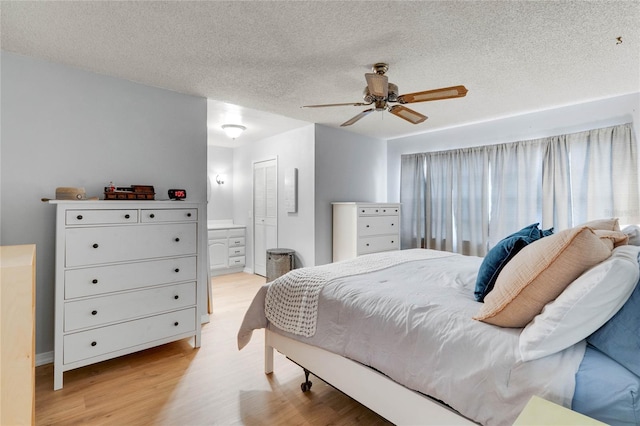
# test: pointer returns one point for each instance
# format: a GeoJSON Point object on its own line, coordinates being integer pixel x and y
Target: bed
{"type": "Point", "coordinates": [400, 333]}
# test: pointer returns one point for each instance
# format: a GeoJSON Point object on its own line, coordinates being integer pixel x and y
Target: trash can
{"type": "Point", "coordinates": [279, 262]}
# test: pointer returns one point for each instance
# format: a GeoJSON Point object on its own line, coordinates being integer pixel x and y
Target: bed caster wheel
{"type": "Point", "coordinates": [306, 385]}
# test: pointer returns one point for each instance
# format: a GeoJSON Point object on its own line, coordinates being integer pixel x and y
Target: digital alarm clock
{"type": "Point", "coordinates": [177, 194]}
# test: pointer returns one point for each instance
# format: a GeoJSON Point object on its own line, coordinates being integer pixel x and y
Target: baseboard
{"type": "Point", "coordinates": [44, 358]}
{"type": "Point", "coordinates": [248, 270]}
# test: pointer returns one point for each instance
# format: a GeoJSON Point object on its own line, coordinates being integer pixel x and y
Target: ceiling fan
{"type": "Point", "coordinates": [380, 93]}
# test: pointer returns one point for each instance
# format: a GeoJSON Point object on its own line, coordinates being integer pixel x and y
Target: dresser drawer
{"type": "Point", "coordinates": [103, 310]}
{"type": "Point", "coordinates": [236, 241]}
{"type": "Point", "coordinates": [368, 211]}
{"type": "Point", "coordinates": [236, 232]}
{"type": "Point", "coordinates": [236, 261]}
{"type": "Point", "coordinates": [127, 276]}
{"type": "Point", "coordinates": [93, 246]}
{"type": "Point", "coordinates": [236, 251]}
{"type": "Point", "coordinates": [100, 341]}
{"type": "Point", "coordinates": [390, 211]}
{"type": "Point", "coordinates": [376, 244]}
{"type": "Point", "coordinates": [217, 234]}
{"type": "Point", "coordinates": [98, 217]}
{"type": "Point", "coordinates": [168, 215]}
{"type": "Point", "coordinates": [378, 225]}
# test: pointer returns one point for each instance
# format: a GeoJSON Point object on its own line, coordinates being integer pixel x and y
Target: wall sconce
{"type": "Point", "coordinates": [220, 179]}
{"type": "Point", "coordinates": [233, 130]}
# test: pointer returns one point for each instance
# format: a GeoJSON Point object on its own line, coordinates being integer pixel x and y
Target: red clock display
{"type": "Point", "coordinates": [177, 194]}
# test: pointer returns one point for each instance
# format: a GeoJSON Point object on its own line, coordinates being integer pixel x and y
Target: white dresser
{"type": "Point", "coordinates": [226, 247]}
{"type": "Point", "coordinates": [362, 228]}
{"type": "Point", "coordinates": [129, 276]}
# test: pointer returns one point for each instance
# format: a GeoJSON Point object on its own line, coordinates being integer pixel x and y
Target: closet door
{"type": "Point", "coordinates": [265, 213]}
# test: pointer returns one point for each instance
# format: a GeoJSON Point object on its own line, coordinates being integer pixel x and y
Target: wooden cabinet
{"type": "Point", "coordinates": [129, 276]}
{"type": "Point", "coordinates": [362, 228]}
{"type": "Point", "coordinates": [17, 334]}
{"type": "Point", "coordinates": [226, 250]}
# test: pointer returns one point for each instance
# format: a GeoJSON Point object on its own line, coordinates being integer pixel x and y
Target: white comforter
{"type": "Point", "coordinates": [413, 322]}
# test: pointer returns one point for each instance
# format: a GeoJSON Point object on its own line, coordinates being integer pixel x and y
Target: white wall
{"type": "Point", "coordinates": [292, 149]}
{"type": "Point", "coordinates": [558, 121]}
{"type": "Point", "coordinates": [220, 161]}
{"type": "Point", "coordinates": [349, 167]}
{"type": "Point", "coordinates": [66, 127]}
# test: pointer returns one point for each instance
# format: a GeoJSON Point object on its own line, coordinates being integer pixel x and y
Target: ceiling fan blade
{"type": "Point", "coordinates": [433, 95]}
{"type": "Point", "coordinates": [334, 105]}
{"type": "Point", "coordinates": [357, 117]}
{"type": "Point", "coordinates": [378, 84]}
{"type": "Point", "coordinates": [407, 114]}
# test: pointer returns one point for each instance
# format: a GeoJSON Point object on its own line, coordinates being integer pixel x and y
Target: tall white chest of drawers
{"type": "Point", "coordinates": [362, 228]}
{"type": "Point", "coordinates": [129, 276]}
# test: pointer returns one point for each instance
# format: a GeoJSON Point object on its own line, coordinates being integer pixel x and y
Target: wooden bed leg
{"type": "Point", "coordinates": [268, 355]}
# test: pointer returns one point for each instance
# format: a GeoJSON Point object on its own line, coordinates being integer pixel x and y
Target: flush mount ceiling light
{"type": "Point", "coordinates": [233, 130]}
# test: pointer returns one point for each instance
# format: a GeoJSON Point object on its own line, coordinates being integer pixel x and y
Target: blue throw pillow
{"type": "Point", "coordinates": [500, 255]}
{"type": "Point", "coordinates": [619, 338]}
{"type": "Point", "coordinates": [531, 231]}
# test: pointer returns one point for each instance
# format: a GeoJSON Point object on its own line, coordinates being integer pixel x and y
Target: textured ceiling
{"type": "Point", "coordinates": [250, 57]}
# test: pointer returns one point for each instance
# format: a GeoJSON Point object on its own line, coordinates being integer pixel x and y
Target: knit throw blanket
{"type": "Point", "coordinates": [291, 302]}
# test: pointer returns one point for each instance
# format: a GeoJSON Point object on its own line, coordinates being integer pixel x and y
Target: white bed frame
{"type": "Point", "coordinates": [376, 391]}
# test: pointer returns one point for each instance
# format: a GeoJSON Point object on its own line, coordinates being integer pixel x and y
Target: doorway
{"type": "Point", "coordinates": [265, 212]}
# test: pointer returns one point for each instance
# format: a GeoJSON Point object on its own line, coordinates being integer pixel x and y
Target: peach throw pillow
{"type": "Point", "coordinates": [611, 224]}
{"type": "Point", "coordinates": [539, 273]}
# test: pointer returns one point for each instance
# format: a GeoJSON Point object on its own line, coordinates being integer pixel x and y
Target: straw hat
{"type": "Point", "coordinates": [70, 193]}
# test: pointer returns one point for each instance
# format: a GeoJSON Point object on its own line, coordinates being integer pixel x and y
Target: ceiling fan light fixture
{"type": "Point", "coordinates": [233, 130]}
{"type": "Point", "coordinates": [378, 84]}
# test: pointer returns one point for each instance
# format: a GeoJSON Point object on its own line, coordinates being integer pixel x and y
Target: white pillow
{"type": "Point", "coordinates": [584, 306]}
{"type": "Point", "coordinates": [633, 232]}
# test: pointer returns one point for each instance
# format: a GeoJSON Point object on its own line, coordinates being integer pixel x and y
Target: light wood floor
{"type": "Point", "coordinates": [214, 385]}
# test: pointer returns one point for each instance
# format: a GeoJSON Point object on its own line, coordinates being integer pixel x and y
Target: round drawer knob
{"type": "Point", "coordinates": [95, 245]}
{"type": "Point", "coordinates": [392, 224]}
{"type": "Point", "coordinates": [367, 244]}
{"type": "Point", "coordinates": [94, 281]}
{"type": "Point", "coordinates": [127, 216]}
{"type": "Point", "coordinates": [367, 226]}
{"type": "Point", "coordinates": [188, 214]}
{"type": "Point", "coordinates": [152, 215]}
{"type": "Point", "coordinates": [94, 312]}
{"type": "Point", "coordinates": [392, 241]}
{"type": "Point", "coordinates": [79, 217]}
{"type": "Point", "coordinates": [177, 239]}
{"type": "Point", "coordinates": [176, 297]}
{"type": "Point", "coordinates": [175, 323]}
{"type": "Point", "coordinates": [177, 270]}
{"type": "Point", "coordinates": [94, 343]}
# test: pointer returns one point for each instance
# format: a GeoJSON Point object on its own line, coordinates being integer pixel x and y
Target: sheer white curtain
{"type": "Point", "coordinates": [444, 198]}
{"type": "Point", "coordinates": [592, 175]}
{"type": "Point", "coordinates": [413, 189]}
{"type": "Point", "coordinates": [516, 187]}
{"type": "Point", "coordinates": [466, 200]}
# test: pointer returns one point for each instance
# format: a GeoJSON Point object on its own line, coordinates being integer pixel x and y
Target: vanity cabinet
{"type": "Point", "coordinates": [363, 228]}
{"type": "Point", "coordinates": [129, 276]}
{"type": "Point", "coordinates": [226, 249]}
